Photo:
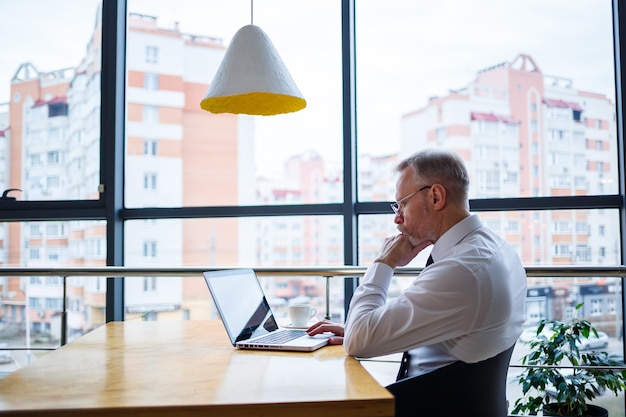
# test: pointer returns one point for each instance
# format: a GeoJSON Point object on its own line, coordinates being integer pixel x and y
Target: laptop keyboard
{"type": "Point", "coordinates": [280, 337]}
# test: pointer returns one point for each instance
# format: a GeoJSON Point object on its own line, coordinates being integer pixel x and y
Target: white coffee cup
{"type": "Point", "coordinates": [300, 314]}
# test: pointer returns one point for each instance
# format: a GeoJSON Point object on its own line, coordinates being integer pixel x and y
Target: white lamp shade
{"type": "Point", "coordinates": [252, 79]}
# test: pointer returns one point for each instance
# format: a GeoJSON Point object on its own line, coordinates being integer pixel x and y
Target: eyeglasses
{"type": "Point", "coordinates": [399, 205]}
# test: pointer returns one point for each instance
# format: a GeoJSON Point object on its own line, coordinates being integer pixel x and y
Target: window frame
{"type": "Point", "coordinates": [110, 205]}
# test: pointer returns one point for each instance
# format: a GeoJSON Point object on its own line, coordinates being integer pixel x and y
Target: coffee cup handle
{"type": "Point", "coordinates": [313, 312]}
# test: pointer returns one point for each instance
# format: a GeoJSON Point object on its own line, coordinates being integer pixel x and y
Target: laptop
{"type": "Point", "coordinates": [247, 316]}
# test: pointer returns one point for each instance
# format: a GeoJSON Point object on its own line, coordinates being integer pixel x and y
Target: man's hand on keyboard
{"type": "Point", "coordinates": [326, 326]}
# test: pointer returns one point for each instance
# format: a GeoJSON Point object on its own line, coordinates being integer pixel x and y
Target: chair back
{"type": "Point", "coordinates": [458, 389]}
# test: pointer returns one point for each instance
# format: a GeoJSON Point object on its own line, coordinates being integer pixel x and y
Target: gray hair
{"type": "Point", "coordinates": [442, 167]}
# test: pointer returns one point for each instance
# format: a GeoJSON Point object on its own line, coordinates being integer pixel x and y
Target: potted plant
{"type": "Point", "coordinates": [551, 387]}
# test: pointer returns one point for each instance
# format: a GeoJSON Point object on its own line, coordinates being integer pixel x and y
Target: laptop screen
{"type": "Point", "coordinates": [241, 303]}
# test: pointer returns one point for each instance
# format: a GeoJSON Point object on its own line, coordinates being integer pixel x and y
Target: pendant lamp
{"type": "Point", "coordinates": [252, 79]}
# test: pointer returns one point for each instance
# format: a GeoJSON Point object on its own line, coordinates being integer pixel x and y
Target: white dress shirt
{"type": "Point", "coordinates": [468, 305]}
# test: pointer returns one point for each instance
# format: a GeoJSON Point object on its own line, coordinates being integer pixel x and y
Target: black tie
{"type": "Point", "coordinates": [406, 356]}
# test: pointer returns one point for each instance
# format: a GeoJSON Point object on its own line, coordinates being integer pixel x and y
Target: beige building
{"type": "Point", "coordinates": [524, 133]}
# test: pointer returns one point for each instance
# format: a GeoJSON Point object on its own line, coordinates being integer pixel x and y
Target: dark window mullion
{"type": "Point", "coordinates": [112, 125]}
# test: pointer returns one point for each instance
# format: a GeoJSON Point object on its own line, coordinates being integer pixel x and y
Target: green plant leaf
{"type": "Point", "coordinates": [559, 347]}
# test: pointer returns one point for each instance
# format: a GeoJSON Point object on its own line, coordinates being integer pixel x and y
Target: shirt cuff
{"type": "Point", "coordinates": [379, 273]}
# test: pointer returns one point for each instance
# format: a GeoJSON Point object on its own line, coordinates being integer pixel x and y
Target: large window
{"type": "Point", "coordinates": [50, 100]}
{"type": "Point", "coordinates": [207, 159]}
{"type": "Point", "coordinates": [118, 165]}
{"type": "Point", "coordinates": [495, 82]}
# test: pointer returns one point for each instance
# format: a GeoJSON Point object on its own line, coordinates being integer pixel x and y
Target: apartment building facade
{"type": "Point", "coordinates": [527, 134]}
{"type": "Point", "coordinates": [54, 125]}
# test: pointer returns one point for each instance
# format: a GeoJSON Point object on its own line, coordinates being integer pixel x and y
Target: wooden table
{"type": "Point", "coordinates": [188, 368]}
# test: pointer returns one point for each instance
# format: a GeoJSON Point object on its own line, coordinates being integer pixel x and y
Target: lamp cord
{"type": "Point", "coordinates": [252, 12]}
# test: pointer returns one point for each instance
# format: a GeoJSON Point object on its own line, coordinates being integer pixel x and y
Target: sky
{"type": "Point", "coordinates": [40, 32]}
{"type": "Point", "coordinates": [407, 51]}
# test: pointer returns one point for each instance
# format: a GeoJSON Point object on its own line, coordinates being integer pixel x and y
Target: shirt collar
{"type": "Point", "coordinates": [454, 235]}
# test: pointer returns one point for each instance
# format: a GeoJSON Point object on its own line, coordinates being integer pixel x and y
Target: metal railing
{"type": "Point", "coordinates": [615, 271]}
{"type": "Point", "coordinates": [328, 272]}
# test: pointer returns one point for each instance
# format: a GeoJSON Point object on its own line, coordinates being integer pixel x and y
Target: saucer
{"type": "Point", "coordinates": [291, 326]}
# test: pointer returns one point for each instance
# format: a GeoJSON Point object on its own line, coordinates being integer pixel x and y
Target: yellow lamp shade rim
{"type": "Point", "coordinates": [255, 103]}
{"type": "Point", "coordinates": [252, 79]}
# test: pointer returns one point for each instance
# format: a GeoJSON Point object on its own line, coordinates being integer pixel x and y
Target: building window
{"type": "Point", "coordinates": [52, 181]}
{"type": "Point", "coordinates": [152, 54]}
{"type": "Point", "coordinates": [610, 306]}
{"type": "Point", "coordinates": [35, 230]}
{"type": "Point", "coordinates": [53, 158]}
{"type": "Point", "coordinates": [35, 303]}
{"type": "Point", "coordinates": [55, 134]}
{"type": "Point", "coordinates": [55, 304]}
{"type": "Point", "coordinates": [150, 249]}
{"type": "Point", "coordinates": [583, 253]}
{"type": "Point", "coordinates": [150, 147]}
{"type": "Point", "coordinates": [150, 182]}
{"type": "Point", "coordinates": [578, 137]}
{"type": "Point", "coordinates": [582, 228]}
{"type": "Point", "coordinates": [34, 254]}
{"type": "Point", "coordinates": [598, 145]}
{"type": "Point", "coordinates": [562, 227]}
{"type": "Point", "coordinates": [596, 307]}
{"type": "Point", "coordinates": [580, 182]}
{"type": "Point", "coordinates": [150, 114]}
{"type": "Point", "coordinates": [151, 81]}
{"type": "Point", "coordinates": [57, 109]}
{"type": "Point", "coordinates": [562, 250]}
{"type": "Point", "coordinates": [559, 135]}
{"type": "Point", "coordinates": [149, 284]}
{"type": "Point", "coordinates": [52, 281]}
{"type": "Point", "coordinates": [55, 229]}
{"type": "Point", "coordinates": [489, 180]}
{"type": "Point", "coordinates": [35, 160]}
